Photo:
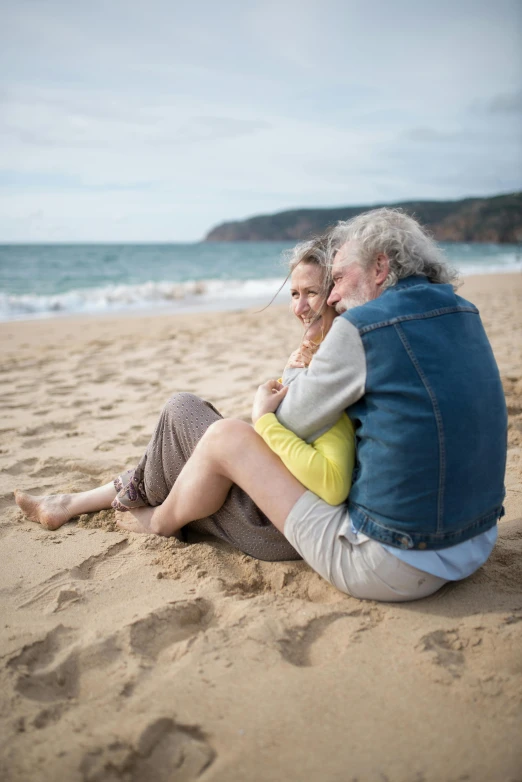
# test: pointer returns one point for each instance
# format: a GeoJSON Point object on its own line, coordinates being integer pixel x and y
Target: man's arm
{"type": "Point", "coordinates": [334, 380]}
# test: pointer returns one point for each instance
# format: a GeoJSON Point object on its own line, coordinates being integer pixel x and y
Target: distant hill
{"type": "Point", "coordinates": [497, 219]}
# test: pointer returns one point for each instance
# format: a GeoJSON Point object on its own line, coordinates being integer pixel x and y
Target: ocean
{"type": "Point", "coordinates": [44, 281]}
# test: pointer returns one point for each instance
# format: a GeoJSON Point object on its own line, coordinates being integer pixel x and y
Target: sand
{"type": "Point", "coordinates": [128, 657]}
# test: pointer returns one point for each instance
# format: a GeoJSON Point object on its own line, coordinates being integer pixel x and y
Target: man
{"type": "Point", "coordinates": [410, 363]}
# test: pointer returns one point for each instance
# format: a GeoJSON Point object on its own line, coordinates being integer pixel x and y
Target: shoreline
{"type": "Point", "coordinates": [194, 303]}
{"type": "Point", "coordinates": [475, 281]}
{"type": "Point", "coordinates": [152, 310]}
{"type": "Point", "coordinates": [125, 656]}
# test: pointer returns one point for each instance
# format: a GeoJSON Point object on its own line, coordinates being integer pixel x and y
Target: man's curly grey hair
{"type": "Point", "coordinates": [408, 246]}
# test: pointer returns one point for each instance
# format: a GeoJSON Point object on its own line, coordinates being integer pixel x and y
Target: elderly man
{"type": "Point", "coordinates": [410, 363]}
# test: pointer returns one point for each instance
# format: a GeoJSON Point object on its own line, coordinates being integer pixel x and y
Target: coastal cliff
{"type": "Point", "coordinates": [497, 219]}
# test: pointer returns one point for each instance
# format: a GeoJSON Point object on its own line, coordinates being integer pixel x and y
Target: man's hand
{"type": "Point", "coordinates": [268, 398]}
{"type": "Point", "coordinates": [301, 357]}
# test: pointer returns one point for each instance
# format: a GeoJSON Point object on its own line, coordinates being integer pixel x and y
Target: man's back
{"type": "Point", "coordinates": [431, 425]}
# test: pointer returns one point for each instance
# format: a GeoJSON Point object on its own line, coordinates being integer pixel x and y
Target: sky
{"type": "Point", "coordinates": [135, 121]}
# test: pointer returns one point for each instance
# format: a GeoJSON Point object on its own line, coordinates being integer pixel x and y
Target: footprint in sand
{"type": "Point", "coordinates": [57, 670]}
{"type": "Point", "coordinates": [49, 715]}
{"type": "Point", "coordinates": [41, 653]}
{"type": "Point", "coordinates": [447, 650]}
{"type": "Point", "coordinates": [101, 567]}
{"type": "Point", "coordinates": [325, 638]}
{"type": "Point", "coordinates": [50, 468]}
{"type": "Point", "coordinates": [22, 467]}
{"type": "Point", "coordinates": [131, 380]}
{"type": "Point", "coordinates": [108, 445]}
{"type": "Point", "coordinates": [104, 378]}
{"type": "Point", "coordinates": [41, 679]}
{"type": "Point", "coordinates": [64, 664]}
{"type": "Point", "coordinates": [50, 427]}
{"type": "Point", "coordinates": [35, 442]}
{"type": "Point", "coordinates": [62, 589]}
{"type": "Point", "coordinates": [164, 751]}
{"type": "Point", "coordinates": [141, 440]}
{"type": "Point", "coordinates": [169, 625]}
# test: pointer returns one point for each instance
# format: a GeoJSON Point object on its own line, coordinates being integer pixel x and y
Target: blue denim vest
{"type": "Point", "coordinates": [432, 425]}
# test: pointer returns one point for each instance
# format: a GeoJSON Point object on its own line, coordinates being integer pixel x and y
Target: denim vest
{"type": "Point", "coordinates": [432, 425]}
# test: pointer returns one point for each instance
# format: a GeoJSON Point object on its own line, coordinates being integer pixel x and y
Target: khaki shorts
{"type": "Point", "coordinates": [355, 564]}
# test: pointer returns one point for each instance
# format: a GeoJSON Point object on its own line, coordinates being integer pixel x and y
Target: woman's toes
{"type": "Point", "coordinates": [27, 504]}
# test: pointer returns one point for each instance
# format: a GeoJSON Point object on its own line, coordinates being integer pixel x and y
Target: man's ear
{"type": "Point", "coordinates": [381, 268]}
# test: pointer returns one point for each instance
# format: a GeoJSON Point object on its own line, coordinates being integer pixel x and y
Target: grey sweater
{"type": "Point", "coordinates": [335, 379]}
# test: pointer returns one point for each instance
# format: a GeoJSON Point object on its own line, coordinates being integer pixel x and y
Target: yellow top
{"type": "Point", "coordinates": [324, 466]}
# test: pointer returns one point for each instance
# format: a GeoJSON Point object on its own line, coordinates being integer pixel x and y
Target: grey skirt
{"type": "Point", "coordinates": [182, 423]}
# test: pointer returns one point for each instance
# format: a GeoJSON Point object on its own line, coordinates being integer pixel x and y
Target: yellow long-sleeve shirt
{"type": "Point", "coordinates": [324, 466]}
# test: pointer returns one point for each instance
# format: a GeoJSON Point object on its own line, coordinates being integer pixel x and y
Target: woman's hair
{"type": "Point", "coordinates": [314, 251]}
{"type": "Point", "coordinates": [408, 246]}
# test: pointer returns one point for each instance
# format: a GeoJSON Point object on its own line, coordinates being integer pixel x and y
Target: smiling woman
{"type": "Point", "coordinates": [310, 285]}
{"type": "Point", "coordinates": [308, 300]}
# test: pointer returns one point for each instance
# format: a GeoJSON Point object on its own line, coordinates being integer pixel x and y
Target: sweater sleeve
{"type": "Point", "coordinates": [335, 379]}
{"type": "Point", "coordinates": [324, 466]}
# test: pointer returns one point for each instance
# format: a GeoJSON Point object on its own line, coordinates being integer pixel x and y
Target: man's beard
{"type": "Point", "coordinates": [360, 296]}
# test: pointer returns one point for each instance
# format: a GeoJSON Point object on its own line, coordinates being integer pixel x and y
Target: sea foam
{"type": "Point", "coordinates": [168, 296]}
{"type": "Point", "coordinates": [50, 281]}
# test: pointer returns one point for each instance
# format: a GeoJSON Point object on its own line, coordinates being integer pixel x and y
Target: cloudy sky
{"type": "Point", "coordinates": [153, 120]}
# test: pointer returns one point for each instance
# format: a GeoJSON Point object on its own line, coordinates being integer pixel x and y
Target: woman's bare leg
{"type": "Point", "coordinates": [230, 452]}
{"type": "Point", "coordinates": [53, 510]}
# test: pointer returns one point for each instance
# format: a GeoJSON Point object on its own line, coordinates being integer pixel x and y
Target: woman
{"type": "Point", "coordinates": [184, 421]}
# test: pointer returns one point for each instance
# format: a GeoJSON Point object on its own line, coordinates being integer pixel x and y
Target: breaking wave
{"type": "Point", "coordinates": [205, 294]}
{"type": "Point", "coordinates": [165, 296]}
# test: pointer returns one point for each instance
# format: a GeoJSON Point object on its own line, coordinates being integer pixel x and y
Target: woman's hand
{"type": "Point", "coordinates": [268, 398]}
{"type": "Point", "coordinates": [301, 357]}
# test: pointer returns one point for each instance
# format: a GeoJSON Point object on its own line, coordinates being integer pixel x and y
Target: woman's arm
{"type": "Point", "coordinates": [324, 466]}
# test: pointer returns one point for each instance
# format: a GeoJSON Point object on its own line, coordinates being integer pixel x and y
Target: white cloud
{"type": "Point", "coordinates": [154, 121]}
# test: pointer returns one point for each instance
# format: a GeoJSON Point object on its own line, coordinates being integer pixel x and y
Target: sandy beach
{"type": "Point", "coordinates": [129, 657]}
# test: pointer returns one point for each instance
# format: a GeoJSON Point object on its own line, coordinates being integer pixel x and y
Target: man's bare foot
{"type": "Point", "coordinates": [135, 520]}
{"type": "Point", "coordinates": [51, 510]}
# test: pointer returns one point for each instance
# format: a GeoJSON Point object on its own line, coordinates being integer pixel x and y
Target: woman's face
{"type": "Point", "coordinates": [308, 301]}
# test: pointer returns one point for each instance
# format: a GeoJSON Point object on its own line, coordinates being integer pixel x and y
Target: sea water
{"type": "Point", "coordinates": [52, 280]}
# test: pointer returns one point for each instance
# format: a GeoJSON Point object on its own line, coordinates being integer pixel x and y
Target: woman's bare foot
{"type": "Point", "coordinates": [135, 519]}
{"type": "Point", "coordinates": [139, 520]}
{"type": "Point", "coordinates": [51, 511]}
